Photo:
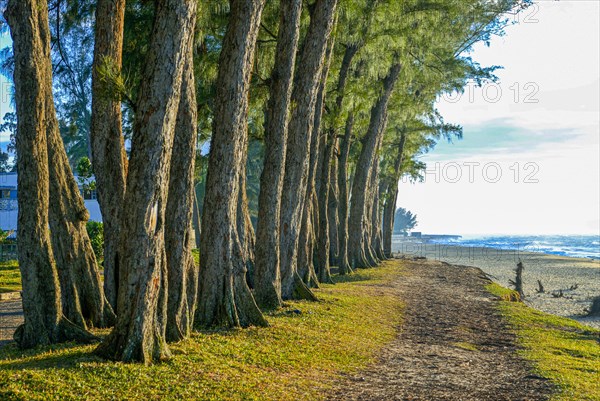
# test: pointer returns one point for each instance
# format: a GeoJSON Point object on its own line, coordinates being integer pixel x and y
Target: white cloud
{"type": "Point", "coordinates": [559, 133]}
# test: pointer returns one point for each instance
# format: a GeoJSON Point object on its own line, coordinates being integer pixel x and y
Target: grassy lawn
{"type": "Point", "coordinates": [10, 277]}
{"type": "Point", "coordinates": [562, 350]}
{"type": "Point", "coordinates": [299, 357]}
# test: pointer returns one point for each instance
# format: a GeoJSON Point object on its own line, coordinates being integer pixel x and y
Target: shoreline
{"type": "Point", "coordinates": [570, 283]}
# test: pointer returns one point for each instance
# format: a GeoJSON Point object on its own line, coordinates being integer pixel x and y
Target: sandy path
{"type": "Point", "coordinates": [453, 345]}
{"type": "Point", "coordinates": [11, 316]}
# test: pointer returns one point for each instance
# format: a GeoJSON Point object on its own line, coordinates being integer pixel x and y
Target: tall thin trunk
{"type": "Point", "coordinates": [310, 218]}
{"type": "Point", "coordinates": [364, 168]}
{"type": "Point", "coordinates": [332, 207]}
{"type": "Point", "coordinates": [196, 220]}
{"type": "Point", "coordinates": [375, 237]}
{"type": "Point", "coordinates": [304, 96]}
{"type": "Point", "coordinates": [224, 296]}
{"type": "Point", "coordinates": [42, 306]}
{"type": "Point", "coordinates": [267, 279]}
{"type": "Point", "coordinates": [331, 203]}
{"type": "Point", "coordinates": [140, 332]}
{"type": "Point", "coordinates": [323, 237]}
{"type": "Point", "coordinates": [182, 270]}
{"type": "Point", "coordinates": [108, 150]}
{"type": "Point", "coordinates": [344, 265]}
{"type": "Point", "coordinates": [391, 194]}
{"type": "Point", "coordinates": [245, 229]}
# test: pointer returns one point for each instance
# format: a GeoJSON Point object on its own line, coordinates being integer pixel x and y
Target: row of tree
{"type": "Point", "coordinates": [337, 96]}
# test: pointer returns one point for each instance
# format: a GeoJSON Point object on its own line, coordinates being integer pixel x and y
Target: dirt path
{"type": "Point", "coordinates": [11, 316]}
{"type": "Point", "coordinates": [453, 345]}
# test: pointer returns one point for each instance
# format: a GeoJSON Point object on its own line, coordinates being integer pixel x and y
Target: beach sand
{"type": "Point", "coordinates": [578, 279]}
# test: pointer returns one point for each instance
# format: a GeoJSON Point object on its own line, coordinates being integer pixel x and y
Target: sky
{"type": "Point", "coordinates": [529, 162]}
{"type": "Point", "coordinates": [5, 88]}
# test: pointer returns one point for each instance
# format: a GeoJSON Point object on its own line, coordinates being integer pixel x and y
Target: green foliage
{"type": "Point", "coordinates": [404, 221]}
{"type": "Point", "coordinates": [299, 357]}
{"type": "Point", "coordinates": [95, 231]}
{"type": "Point", "coordinates": [4, 236]}
{"type": "Point", "coordinates": [5, 165]}
{"type": "Point", "coordinates": [85, 174]}
{"type": "Point", "coordinates": [561, 349]}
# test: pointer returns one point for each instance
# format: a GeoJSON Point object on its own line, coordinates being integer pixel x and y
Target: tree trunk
{"type": "Point", "coordinates": [139, 334]}
{"type": "Point", "coordinates": [244, 225]}
{"type": "Point", "coordinates": [224, 296]}
{"type": "Point", "coordinates": [182, 270]}
{"type": "Point", "coordinates": [196, 220]}
{"type": "Point", "coordinates": [304, 97]}
{"type": "Point", "coordinates": [267, 278]}
{"type": "Point", "coordinates": [376, 239]}
{"type": "Point", "coordinates": [310, 218]}
{"type": "Point", "coordinates": [344, 265]}
{"type": "Point", "coordinates": [323, 238]}
{"type": "Point", "coordinates": [332, 207]}
{"type": "Point", "coordinates": [391, 196]}
{"type": "Point", "coordinates": [364, 168]}
{"type": "Point", "coordinates": [306, 267]}
{"type": "Point", "coordinates": [83, 299]}
{"type": "Point", "coordinates": [108, 150]}
{"type": "Point", "coordinates": [42, 307]}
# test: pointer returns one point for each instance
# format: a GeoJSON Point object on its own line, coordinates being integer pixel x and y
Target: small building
{"type": "Point", "coordinates": [9, 207]}
{"type": "Point", "coordinates": [415, 234]}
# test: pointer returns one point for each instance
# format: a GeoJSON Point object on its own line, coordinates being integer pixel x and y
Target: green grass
{"type": "Point", "coordinates": [10, 277]}
{"type": "Point", "coordinates": [561, 349]}
{"type": "Point", "coordinates": [299, 357]}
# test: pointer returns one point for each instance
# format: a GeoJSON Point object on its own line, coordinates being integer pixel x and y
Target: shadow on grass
{"type": "Point", "coordinates": [48, 357]}
{"type": "Point", "coordinates": [358, 275]}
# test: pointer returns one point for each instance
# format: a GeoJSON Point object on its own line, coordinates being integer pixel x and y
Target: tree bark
{"type": "Point", "coordinates": [42, 307]}
{"type": "Point", "coordinates": [328, 192]}
{"type": "Point", "coordinates": [83, 300]}
{"type": "Point", "coordinates": [323, 238]}
{"type": "Point", "coordinates": [267, 279]}
{"type": "Point", "coordinates": [139, 334]}
{"type": "Point", "coordinates": [244, 224]}
{"type": "Point", "coordinates": [108, 150]}
{"type": "Point", "coordinates": [304, 97]}
{"type": "Point", "coordinates": [344, 265]}
{"type": "Point", "coordinates": [332, 208]}
{"type": "Point", "coordinates": [182, 270]}
{"type": "Point", "coordinates": [224, 296]}
{"type": "Point", "coordinates": [391, 195]}
{"type": "Point", "coordinates": [310, 218]}
{"type": "Point", "coordinates": [196, 220]}
{"type": "Point", "coordinates": [364, 168]}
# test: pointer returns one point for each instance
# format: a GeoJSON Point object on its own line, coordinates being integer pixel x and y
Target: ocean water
{"type": "Point", "coordinates": [579, 246]}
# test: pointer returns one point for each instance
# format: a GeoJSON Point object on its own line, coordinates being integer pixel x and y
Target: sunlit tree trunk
{"type": "Point", "coordinates": [42, 306]}
{"type": "Point", "coordinates": [224, 296]}
{"type": "Point", "coordinates": [245, 229]}
{"type": "Point", "coordinates": [304, 97]}
{"type": "Point", "coordinates": [182, 270]}
{"type": "Point", "coordinates": [391, 196]}
{"type": "Point", "coordinates": [332, 207]}
{"type": "Point", "coordinates": [83, 298]}
{"type": "Point", "coordinates": [344, 265]}
{"type": "Point", "coordinates": [358, 256]}
{"type": "Point", "coordinates": [108, 150]}
{"type": "Point", "coordinates": [140, 332]}
{"type": "Point", "coordinates": [267, 279]}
